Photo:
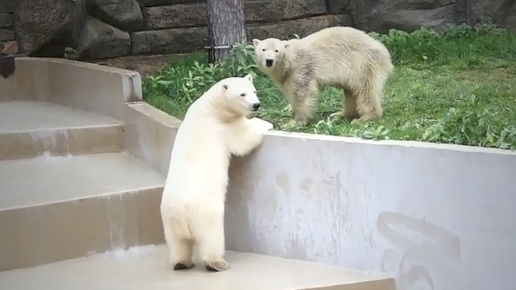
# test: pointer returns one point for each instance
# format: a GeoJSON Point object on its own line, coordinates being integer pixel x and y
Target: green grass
{"type": "Point", "coordinates": [457, 86]}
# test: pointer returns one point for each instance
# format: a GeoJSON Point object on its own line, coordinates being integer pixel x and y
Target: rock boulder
{"type": "Point", "coordinates": [280, 10]}
{"type": "Point", "coordinates": [410, 20]}
{"type": "Point", "coordinates": [6, 20]}
{"type": "Point", "coordinates": [382, 15]}
{"type": "Point", "coordinates": [7, 6]}
{"type": "Point", "coordinates": [301, 27]}
{"type": "Point", "coordinates": [100, 40]}
{"type": "Point", "coordinates": [193, 15]}
{"type": "Point", "coordinates": [123, 14]}
{"type": "Point", "coordinates": [175, 16]}
{"type": "Point", "coordinates": [46, 27]}
{"type": "Point", "coordinates": [6, 35]}
{"type": "Point", "coordinates": [169, 41]}
{"type": "Point", "coordinates": [500, 12]}
{"type": "Point", "coordinates": [151, 3]}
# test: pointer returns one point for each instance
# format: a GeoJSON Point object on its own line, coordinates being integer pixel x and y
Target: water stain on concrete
{"type": "Point", "coordinates": [306, 184]}
{"type": "Point", "coordinates": [283, 182]}
{"type": "Point", "coordinates": [438, 244]}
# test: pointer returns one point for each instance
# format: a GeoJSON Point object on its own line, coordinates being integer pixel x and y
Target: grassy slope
{"type": "Point", "coordinates": [453, 87]}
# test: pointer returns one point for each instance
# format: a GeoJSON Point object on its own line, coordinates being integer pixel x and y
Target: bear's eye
{"type": "Point", "coordinates": [263, 49]}
{"type": "Point", "coordinates": [242, 95]}
{"type": "Point", "coordinates": [277, 51]}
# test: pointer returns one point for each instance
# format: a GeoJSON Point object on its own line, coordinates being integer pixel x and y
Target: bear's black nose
{"type": "Point", "coordinates": [268, 62]}
{"type": "Point", "coordinates": [256, 106]}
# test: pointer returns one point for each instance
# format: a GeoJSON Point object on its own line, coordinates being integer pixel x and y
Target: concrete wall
{"type": "Point", "coordinates": [434, 216]}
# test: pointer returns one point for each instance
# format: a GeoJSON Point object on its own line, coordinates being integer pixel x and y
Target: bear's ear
{"type": "Point", "coordinates": [256, 42]}
{"type": "Point", "coordinates": [249, 77]}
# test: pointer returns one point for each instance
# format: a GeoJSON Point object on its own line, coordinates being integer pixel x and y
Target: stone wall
{"type": "Point", "coordinates": [112, 28]}
{"type": "Point", "coordinates": [100, 29]}
{"type": "Point", "coordinates": [7, 40]}
{"type": "Point", "coordinates": [382, 15]}
{"type": "Point", "coordinates": [181, 27]}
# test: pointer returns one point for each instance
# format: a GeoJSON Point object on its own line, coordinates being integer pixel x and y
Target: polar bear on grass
{"type": "Point", "coordinates": [341, 57]}
{"type": "Point", "coordinates": [192, 207]}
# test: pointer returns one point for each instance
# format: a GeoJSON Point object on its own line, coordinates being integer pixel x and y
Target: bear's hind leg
{"type": "Point", "coordinates": [350, 106]}
{"type": "Point", "coordinates": [368, 99]}
{"type": "Point", "coordinates": [212, 246]}
{"type": "Point", "coordinates": [180, 249]}
{"type": "Point", "coordinates": [182, 255]}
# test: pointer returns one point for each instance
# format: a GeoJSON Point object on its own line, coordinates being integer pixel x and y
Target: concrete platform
{"type": "Point", "coordinates": [28, 129]}
{"type": "Point", "coordinates": [54, 208]}
{"type": "Point", "coordinates": [146, 268]}
{"type": "Point", "coordinates": [26, 182]}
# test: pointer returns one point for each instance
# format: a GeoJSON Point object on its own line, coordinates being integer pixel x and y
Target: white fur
{"type": "Point", "coordinates": [192, 207]}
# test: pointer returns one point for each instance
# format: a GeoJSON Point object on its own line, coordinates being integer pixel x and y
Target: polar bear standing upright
{"type": "Point", "coordinates": [342, 57]}
{"type": "Point", "coordinates": [192, 207]}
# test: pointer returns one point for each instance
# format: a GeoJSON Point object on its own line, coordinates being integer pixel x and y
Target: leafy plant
{"type": "Point", "coordinates": [240, 61]}
{"type": "Point", "coordinates": [378, 133]}
{"type": "Point", "coordinates": [474, 124]}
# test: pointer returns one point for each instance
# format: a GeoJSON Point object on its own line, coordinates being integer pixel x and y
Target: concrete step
{"type": "Point", "coordinates": [60, 207]}
{"type": "Point", "coordinates": [28, 129]}
{"type": "Point", "coordinates": [147, 268]}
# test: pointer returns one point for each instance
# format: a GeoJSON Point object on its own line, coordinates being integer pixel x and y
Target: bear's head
{"type": "Point", "coordinates": [239, 95]}
{"type": "Point", "coordinates": [269, 52]}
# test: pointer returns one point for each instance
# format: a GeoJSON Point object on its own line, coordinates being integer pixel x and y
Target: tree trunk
{"type": "Point", "coordinates": [225, 27]}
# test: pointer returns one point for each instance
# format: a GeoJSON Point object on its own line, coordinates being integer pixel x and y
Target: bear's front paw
{"type": "Point", "coordinates": [267, 126]}
{"type": "Point", "coordinates": [300, 120]}
{"type": "Point", "coordinates": [263, 125]}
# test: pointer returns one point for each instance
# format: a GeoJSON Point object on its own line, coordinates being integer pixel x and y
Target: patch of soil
{"type": "Point", "coordinates": [145, 65]}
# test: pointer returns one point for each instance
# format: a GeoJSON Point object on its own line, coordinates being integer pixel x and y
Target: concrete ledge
{"type": "Point", "coordinates": [410, 144]}
{"type": "Point", "coordinates": [146, 268]}
{"type": "Point", "coordinates": [74, 84]}
{"type": "Point", "coordinates": [28, 144]}
{"type": "Point", "coordinates": [93, 87]}
{"type": "Point", "coordinates": [57, 208]}
{"type": "Point", "coordinates": [150, 134]}
{"type": "Point", "coordinates": [53, 232]}
{"type": "Point", "coordinates": [29, 129]}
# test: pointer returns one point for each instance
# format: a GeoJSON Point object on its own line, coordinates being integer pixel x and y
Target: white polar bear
{"type": "Point", "coordinates": [192, 207]}
{"type": "Point", "coordinates": [341, 57]}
